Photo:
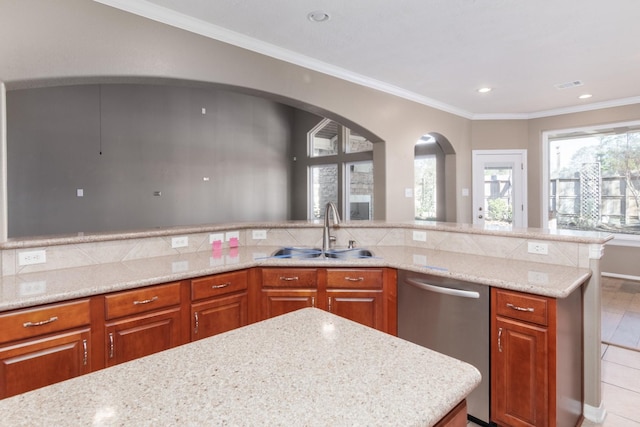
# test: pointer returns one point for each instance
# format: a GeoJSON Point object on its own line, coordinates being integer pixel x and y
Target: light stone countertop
{"type": "Point", "coordinates": [32, 289]}
{"type": "Point", "coordinates": [308, 368]}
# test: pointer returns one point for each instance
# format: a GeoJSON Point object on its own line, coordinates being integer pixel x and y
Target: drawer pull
{"type": "Point", "coordinates": [145, 301]}
{"type": "Point", "coordinates": [197, 323]}
{"type": "Point", "coordinates": [289, 279]}
{"type": "Point", "coordinates": [313, 302]}
{"type": "Point", "coordinates": [515, 307]}
{"type": "Point", "coordinates": [224, 285]}
{"type": "Point", "coordinates": [500, 340]}
{"type": "Point", "coordinates": [354, 279]}
{"type": "Point", "coordinates": [330, 305]}
{"type": "Point", "coordinates": [111, 349]}
{"type": "Point", "coordinates": [44, 322]}
{"type": "Point", "coordinates": [85, 354]}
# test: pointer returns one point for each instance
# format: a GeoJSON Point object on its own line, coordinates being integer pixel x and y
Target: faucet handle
{"type": "Point", "coordinates": [352, 244]}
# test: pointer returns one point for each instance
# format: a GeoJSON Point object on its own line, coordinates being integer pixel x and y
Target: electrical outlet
{"type": "Point", "coordinates": [179, 242]}
{"type": "Point", "coordinates": [420, 236]}
{"type": "Point", "coordinates": [32, 257]}
{"type": "Point", "coordinates": [216, 236]}
{"type": "Point", "coordinates": [259, 234]}
{"type": "Point", "coordinates": [538, 248]}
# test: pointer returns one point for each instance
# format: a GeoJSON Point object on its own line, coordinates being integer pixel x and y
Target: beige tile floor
{"type": "Point", "coordinates": [620, 353]}
{"type": "Point", "coordinates": [621, 312]}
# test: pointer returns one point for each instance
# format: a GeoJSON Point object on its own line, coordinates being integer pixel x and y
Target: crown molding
{"type": "Point", "coordinates": [170, 17]}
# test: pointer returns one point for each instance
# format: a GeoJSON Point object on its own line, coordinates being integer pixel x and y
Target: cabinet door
{"type": "Point", "coordinates": [218, 315]}
{"type": "Point", "coordinates": [519, 374]}
{"type": "Point", "coordinates": [276, 301]}
{"type": "Point", "coordinates": [365, 307]}
{"type": "Point", "coordinates": [43, 361]}
{"type": "Point", "coordinates": [132, 337]}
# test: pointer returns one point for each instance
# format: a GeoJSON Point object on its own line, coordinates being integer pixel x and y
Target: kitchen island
{"type": "Point", "coordinates": [308, 367]}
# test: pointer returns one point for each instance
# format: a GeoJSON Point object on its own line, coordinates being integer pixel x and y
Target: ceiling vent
{"type": "Point", "coordinates": [567, 85]}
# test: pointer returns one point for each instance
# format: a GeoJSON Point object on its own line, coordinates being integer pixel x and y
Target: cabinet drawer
{"type": "Point", "coordinates": [141, 300]}
{"type": "Point", "coordinates": [530, 308]}
{"type": "Point", "coordinates": [220, 284]}
{"type": "Point", "coordinates": [289, 277]}
{"type": "Point", "coordinates": [353, 278]}
{"type": "Point", "coordinates": [44, 320]}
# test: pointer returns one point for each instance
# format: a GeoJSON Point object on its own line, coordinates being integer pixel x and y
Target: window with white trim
{"type": "Point", "coordinates": [593, 179]}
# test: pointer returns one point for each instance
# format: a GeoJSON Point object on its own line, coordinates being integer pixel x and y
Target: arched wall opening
{"type": "Point", "coordinates": [435, 178]}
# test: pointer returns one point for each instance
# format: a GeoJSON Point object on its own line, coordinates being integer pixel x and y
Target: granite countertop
{"type": "Point", "coordinates": [308, 367]}
{"type": "Point", "coordinates": [36, 288]}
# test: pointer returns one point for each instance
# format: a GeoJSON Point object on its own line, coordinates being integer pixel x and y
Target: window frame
{"type": "Point", "coordinates": [619, 238]}
{"type": "Point", "coordinates": [341, 160]}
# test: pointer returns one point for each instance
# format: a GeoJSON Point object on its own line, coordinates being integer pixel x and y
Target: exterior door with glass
{"type": "Point", "coordinates": [499, 188]}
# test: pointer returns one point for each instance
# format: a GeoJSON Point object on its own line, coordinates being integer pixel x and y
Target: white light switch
{"type": "Point", "coordinates": [79, 192]}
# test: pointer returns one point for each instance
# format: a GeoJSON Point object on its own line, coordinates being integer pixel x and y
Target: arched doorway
{"type": "Point", "coordinates": [434, 178]}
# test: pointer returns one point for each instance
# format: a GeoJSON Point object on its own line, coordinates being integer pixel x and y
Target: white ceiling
{"type": "Point", "coordinates": [439, 52]}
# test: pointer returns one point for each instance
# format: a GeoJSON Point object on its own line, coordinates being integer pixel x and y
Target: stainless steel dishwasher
{"type": "Point", "coordinates": [450, 317]}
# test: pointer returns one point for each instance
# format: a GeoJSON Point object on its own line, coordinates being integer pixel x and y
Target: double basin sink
{"type": "Point", "coordinates": [300, 253]}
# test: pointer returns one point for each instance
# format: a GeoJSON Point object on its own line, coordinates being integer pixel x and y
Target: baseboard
{"type": "Point", "coordinates": [595, 415]}
{"type": "Point", "coordinates": [621, 276]}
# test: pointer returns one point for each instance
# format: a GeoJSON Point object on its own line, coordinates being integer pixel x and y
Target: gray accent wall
{"type": "Point", "coordinates": [120, 143]}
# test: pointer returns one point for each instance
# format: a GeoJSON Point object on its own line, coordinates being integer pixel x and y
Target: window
{"type": "Point", "coordinates": [340, 170]}
{"type": "Point", "coordinates": [429, 178]}
{"type": "Point", "coordinates": [594, 179]}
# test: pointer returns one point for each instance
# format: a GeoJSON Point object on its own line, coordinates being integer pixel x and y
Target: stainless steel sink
{"type": "Point", "coordinates": [291, 252]}
{"type": "Point", "coordinates": [302, 253]}
{"type": "Point", "coordinates": [354, 253]}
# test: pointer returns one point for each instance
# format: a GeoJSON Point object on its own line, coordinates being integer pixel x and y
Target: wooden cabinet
{"type": "Point", "coordinates": [287, 289]}
{"type": "Point", "coordinates": [364, 295]}
{"type": "Point", "coordinates": [141, 322]}
{"type": "Point", "coordinates": [44, 345]}
{"type": "Point", "coordinates": [356, 294]}
{"type": "Point", "coordinates": [220, 303]}
{"type": "Point", "coordinates": [536, 363]}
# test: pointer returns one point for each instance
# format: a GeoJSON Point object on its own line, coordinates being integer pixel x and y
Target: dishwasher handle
{"type": "Point", "coordinates": [441, 290]}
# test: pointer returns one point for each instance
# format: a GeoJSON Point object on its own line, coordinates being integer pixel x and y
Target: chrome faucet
{"type": "Point", "coordinates": [327, 238]}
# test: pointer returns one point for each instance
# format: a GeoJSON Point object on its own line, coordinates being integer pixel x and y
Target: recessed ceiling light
{"type": "Point", "coordinates": [585, 96]}
{"type": "Point", "coordinates": [318, 16]}
{"type": "Point", "coordinates": [484, 90]}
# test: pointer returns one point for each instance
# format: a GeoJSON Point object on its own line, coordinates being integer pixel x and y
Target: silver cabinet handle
{"type": "Point", "coordinates": [313, 301]}
{"type": "Point", "coordinates": [197, 323]}
{"type": "Point", "coordinates": [289, 279]}
{"type": "Point", "coordinates": [44, 322]}
{"type": "Point", "coordinates": [515, 307]}
{"type": "Point", "coordinates": [85, 356]}
{"type": "Point", "coordinates": [354, 279]}
{"type": "Point", "coordinates": [500, 340]}
{"type": "Point", "coordinates": [329, 304]}
{"type": "Point", "coordinates": [223, 285]}
{"type": "Point", "coordinates": [111, 346]}
{"type": "Point", "coordinates": [146, 301]}
{"type": "Point", "coordinates": [442, 290]}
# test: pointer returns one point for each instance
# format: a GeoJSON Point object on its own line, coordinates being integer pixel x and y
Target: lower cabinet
{"type": "Point", "coordinates": [357, 294]}
{"type": "Point", "coordinates": [142, 322]}
{"type": "Point", "coordinates": [364, 295]}
{"type": "Point", "coordinates": [43, 346]}
{"type": "Point", "coordinates": [220, 303]}
{"type": "Point", "coordinates": [283, 290]}
{"type": "Point", "coordinates": [536, 359]}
